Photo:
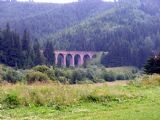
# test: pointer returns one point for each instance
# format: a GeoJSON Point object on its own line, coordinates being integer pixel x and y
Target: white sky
{"type": "Point", "coordinates": [57, 1]}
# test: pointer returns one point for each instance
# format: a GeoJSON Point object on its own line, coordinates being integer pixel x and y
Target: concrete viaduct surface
{"type": "Point", "coordinates": [72, 58]}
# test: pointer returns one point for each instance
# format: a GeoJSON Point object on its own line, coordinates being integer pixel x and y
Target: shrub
{"type": "Point", "coordinates": [43, 68]}
{"type": "Point", "coordinates": [121, 77]}
{"type": "Point", "coordinates": [46, 70]}
{"type": "Point", "coordinates": [109, 76]}
{"type": "Point", "coordinates": [90, 74]}
{"type": "Point", "coordinates": [51, 74]}
{"type": "Point", "coordinates": [59, 72]}
{"type": "Point", "coordinates": [63, 79]}
{"type": "Point", "coordinates": [12, 76]}
{"type": "Point", "coordinates": [78, 75]}
{"type": "Point", "coordinates": [33, 76]}
{"type": "Point", "coordinates": [11, 101]}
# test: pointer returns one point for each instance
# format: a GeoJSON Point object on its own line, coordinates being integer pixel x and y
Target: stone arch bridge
{"type": "Point", "coordinates": [72, 58]}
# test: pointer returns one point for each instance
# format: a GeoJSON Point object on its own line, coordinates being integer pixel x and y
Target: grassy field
{"type": "Point", "coordinates": [109, 101]}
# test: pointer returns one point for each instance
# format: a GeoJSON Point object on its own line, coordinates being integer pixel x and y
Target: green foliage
{"type": "Point", "coordinates": [46, 70]}
{"type": "Point", "coordinates": [78, 75]}
{"type": "Point", "coordinates": [128, 30]}
{"type": "Point", "coordinates": [48, 53]}
{"type": "Point", "coordinates": [38, 56]}
{"type": "Point", "coordinates": [33, 76]}
{"type": "Point", "coordinates": [43, 73]}
{"type": "Point", "coordinates": [120, 73]}
{"type": "Point", "coordinates": [11, 101]}
{"type": "Point", "coordinates": [43, 68]}
{"type": "Point", "coordinates": [153, 65]}
{"type": "Point", "coordinates": [55, 95]}
{"type": "Point", "coordinates": [109, 76]}
{"type": "Point", "coordinates": [12, 76]}
{"type": "Point", "coordinates": [18, 52]}
{"type": "Point", "coordinates": [42, 19]}
{"type": "Point", "coordinates": [125, 32]}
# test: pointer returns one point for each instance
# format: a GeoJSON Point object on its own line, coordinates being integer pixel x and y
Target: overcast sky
{"type": "Point", "coordinates": [57, 1]}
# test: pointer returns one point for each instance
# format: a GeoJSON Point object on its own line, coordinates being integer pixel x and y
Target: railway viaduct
{"type": "Point", "coordinates": [72, 58]}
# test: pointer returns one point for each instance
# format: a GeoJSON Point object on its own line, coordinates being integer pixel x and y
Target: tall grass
{"type": "Point", "coordinates": [147, 80]}
{"type": "Point", "coordinates": [57, 95]}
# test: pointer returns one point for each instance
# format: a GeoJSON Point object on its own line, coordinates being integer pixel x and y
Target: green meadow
{"type": "Point", "coordinates": [121, 100]}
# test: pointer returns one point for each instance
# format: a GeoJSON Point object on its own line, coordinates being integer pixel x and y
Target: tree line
{"type": "Point", "coordinates": [21, 51]}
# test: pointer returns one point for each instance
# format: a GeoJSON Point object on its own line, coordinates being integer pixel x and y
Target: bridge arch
{"type": "Point", "coordinates": [69, 60]}
{"type": "Point", "coordinates": [86, 58]}
{"type": "Point", "coordinates": [61, 60]}
{"type": "Point", "coordinates": [77, 60]}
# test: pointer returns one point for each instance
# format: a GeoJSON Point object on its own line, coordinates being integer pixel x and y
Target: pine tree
{"type": "Point", "coordinates": [6, 45]}
{"type": "Point", "coordinates": [18, 51]}
{"type": "Point", "coordinates": [153, 65]}
{"type": "Point", "coordinates": [26, 41]}
{"type": "Point", "coordinates": [1, 50]}
{"type": "Point", "coordinates": [28, 53]}
{"type": "Point", "coordinates": [38, 60]}
{"type": "Point", "coordinates": [48, 53]}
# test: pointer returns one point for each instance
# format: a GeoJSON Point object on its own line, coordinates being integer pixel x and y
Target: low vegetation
{"type": "Point", "coordinates": [57, 101]}
{"type": "Point", "coordinates": [147, 80]}
{"type": "Point", "coordinates": [44, 74]}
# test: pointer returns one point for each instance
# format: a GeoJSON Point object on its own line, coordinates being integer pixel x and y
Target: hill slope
{"type": "Point", "coordinates": [129, 30]}
{"type": "Point", "coordinates": [131, 33]}
{"type": "Point", "coordinates": [41, 19]}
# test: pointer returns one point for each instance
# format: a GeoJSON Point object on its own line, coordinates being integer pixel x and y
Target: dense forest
{"type": "Point", "coordinates": [44, 18]}
{"type": "Point", "coordinates": [128, 30]}
{"type": "Point", "coordinates": [22, 52]}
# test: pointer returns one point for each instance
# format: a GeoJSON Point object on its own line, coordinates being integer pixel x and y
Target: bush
{"type": "Point", "coordinates": [51, 75]}
{"type": "Point", "coordinates": [11, 101]}
{"type": "Point", "coordinates": [43, 68]}
{"type": "Point", "coordinates": [78, 75]}
{"type": "Point", "coordinates": [90, 74]}
{"type": "Point", "coordinates": [12, 76]}
{"type": "Point", "coordinates": [46, 70]}
{"type": "Point", "coordinates": [109, 76]}
{"type": "Point", "coordinates": [63, 79]}
{"type": "Point", "coordinates": [33, 76]}
{"type": "Point", "coordinates": [121, 77]}
{"type": "Point", "coordinates": [59, 72]}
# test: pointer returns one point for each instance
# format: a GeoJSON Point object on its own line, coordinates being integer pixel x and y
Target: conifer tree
{"type": "Point", "coordinates": [153, 65]}
{"type": "Point", "coordinates": [48, 53]}
{"type": "Point", "coordinates": [1, 41]}
{"type": "Point", "coordinates": [38, 60]}
{"type": "Point", "coordinates": [27, 50]}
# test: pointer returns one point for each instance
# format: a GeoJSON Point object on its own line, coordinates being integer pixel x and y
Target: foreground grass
{"type": "Point", "coordinates": [124, 102]}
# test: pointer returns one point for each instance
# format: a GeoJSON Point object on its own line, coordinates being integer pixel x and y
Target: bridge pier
{"type": "Point", "coordinates": [72, 64]}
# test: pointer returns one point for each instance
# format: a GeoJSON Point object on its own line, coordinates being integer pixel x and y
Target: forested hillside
{"type": "Point", "coordinates": [43, 18]}
{"type": "Point", "coordinates": [128, 30]}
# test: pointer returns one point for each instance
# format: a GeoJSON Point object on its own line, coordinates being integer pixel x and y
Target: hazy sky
{"type": "Point", "coordinates": [57, 1]}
